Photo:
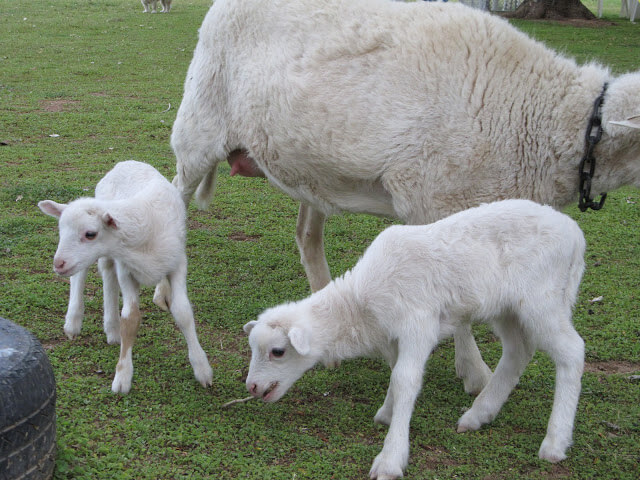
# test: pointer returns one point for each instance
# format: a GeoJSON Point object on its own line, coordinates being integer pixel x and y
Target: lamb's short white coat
{"type": "Point", "coordinates": [135, 228]}
{"type": "Point", "coordinates": [411, 110]}
{"type": "Point", "coordinates": [513, 264]}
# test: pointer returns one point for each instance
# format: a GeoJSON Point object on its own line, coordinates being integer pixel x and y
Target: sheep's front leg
{"type": "Point", "coordinates": [406, 382]}
{"type": "Point", "coordinates": [309, 237]}
{"type": "Point", "coordinates": [183, 316]}
{"type": "Point", "coordinates": [111, 292]}
{"type": "Point", "coordinates": [129, 325]}
{"type": "Point", "coordinates": [75, 310]}
{"type": "Point", "coordinates": [469, 364]}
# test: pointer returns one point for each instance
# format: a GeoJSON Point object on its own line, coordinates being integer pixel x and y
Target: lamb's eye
{"type": "Point", "coordinates": [90, 235]}
{"type": "Point", "coordinates": [277, 352]}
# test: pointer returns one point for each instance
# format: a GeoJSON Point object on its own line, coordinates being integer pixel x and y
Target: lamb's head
{"type": "Point", "coordinates": [280, 352]}
{"type": "Point", "coordinates": [86, 233]}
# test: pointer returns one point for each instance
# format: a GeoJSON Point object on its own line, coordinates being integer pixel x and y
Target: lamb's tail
{"type": "Point", "coordinates": [205, 189]}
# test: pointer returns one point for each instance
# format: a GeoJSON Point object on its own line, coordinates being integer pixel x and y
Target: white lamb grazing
{"type": "Point", "coordinates": [513, 264]}
{"type": "Point", "coordinates": [410, 110]}
{"type": "Point", "coordinates": [135, 228]}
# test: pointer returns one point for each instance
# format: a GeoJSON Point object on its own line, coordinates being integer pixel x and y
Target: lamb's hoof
{"type": "Point", "coordinates": [383, 469]}
{"type": "Point", "coordinates": [468, 423]}
{"type": "Point", "coordinates": [162, 295]}
{"type": "Point", "coordinates": [473, 385]}
{"type": "Point", "coordinates": [121, 386]}
{"type": "Point", "coordinates": [114, 338]}
{"type": "Point", "coordinates": [382, 418]}
{"type": "Point", "coordinates": [550, 452]}
{"type": "Point", "coordinates": [70, 335]}
{"type": "Point", "coordinates": [205, 377]}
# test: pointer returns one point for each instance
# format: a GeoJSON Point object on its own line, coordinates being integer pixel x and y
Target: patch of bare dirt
{"type": "Point", "coordinates": [59, 105]}
{"type": "Point", "coordinates": [243, 237]}
{"type": "Point", "coordinates": [612, 367]}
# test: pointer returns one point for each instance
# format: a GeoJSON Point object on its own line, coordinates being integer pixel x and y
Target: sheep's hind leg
{"type": "Point", "coordinates": [183, 316]}
{"type": "Point", "coordinates": [309, 237]}
{"type": "Point", "coordinates": [75, 310]}
{"type": "Point", "coordinates": [469, 364]}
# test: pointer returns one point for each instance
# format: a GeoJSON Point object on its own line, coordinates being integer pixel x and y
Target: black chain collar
{"type": "Point", "coordinates": [588, 163]}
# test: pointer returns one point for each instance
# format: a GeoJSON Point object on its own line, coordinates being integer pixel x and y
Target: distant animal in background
{"type": "Point", "coordinates": [166, 5]}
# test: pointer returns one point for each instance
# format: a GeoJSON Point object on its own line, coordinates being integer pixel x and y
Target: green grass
{"type": "Point", "coordinates": [108, 80]}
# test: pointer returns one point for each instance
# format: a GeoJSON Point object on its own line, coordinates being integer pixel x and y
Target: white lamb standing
{"type": "Point", "coordinates": [513, 264]}
{"type": "Point", "coordinates": [135, 228]}
{"type": "Point", "coordinates": [408, 110]}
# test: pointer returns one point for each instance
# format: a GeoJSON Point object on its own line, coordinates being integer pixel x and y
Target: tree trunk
{"type": "Point", "coordinates": [552, 10]}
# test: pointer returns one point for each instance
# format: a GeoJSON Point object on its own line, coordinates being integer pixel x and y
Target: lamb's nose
{"type": "Point", "coordinates": [253, 389]}
{"type": "Point", "coordinates": [58, 264]}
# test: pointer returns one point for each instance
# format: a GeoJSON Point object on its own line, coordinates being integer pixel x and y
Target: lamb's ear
{"type": "Point", "coordinates": [109, 221]}
{"type": "Point", "coordinates": [249, 326]}
{"type": "Point", "coordinates": [52, 208]}
{"type": "Point", "coordinates": [631, 122]}
{"type": "Point", "coordinates": [300, 340]}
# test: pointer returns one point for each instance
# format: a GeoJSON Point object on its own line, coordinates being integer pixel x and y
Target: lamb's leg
{"type": "Point", "coordinates": [385, 412]}
{"type": "Point", "coordinates": [309, 237]}
{"type": "Point", "coordinates": [566, 348]}
{"type": "Point", "coordinates": [405, 385]}
{"type": "Point", "coordinates": [162, 294]}
{"type": "Point", "coordinates": [183, 315]}
{"type": "Point", "coordinates": [129, 324]}
{"type": "Point", "coordinates": [516, 354]}
{"type": "Point", "coordinates": [469, 364]}
{"type": "Point", "coordinates": [146, 9]}
{"type": "Point", "coordinates": [75, 310]}
{"type": "Point", "coordinates": [111, 297]}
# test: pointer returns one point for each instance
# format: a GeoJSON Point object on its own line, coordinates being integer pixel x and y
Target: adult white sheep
{"type": "Point", "coordinates": [407, 110]}
{"type": "Point", "coordinates": [514, 264]}
{"type": "Point", "coordinates": [135, 228]}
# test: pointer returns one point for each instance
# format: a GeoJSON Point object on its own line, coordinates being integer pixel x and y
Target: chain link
{"type": "Point", "coordinates": [587, 166]}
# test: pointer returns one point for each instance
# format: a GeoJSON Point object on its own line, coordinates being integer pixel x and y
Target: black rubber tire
{"type": "Point", "coordinates": [27, 406]}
